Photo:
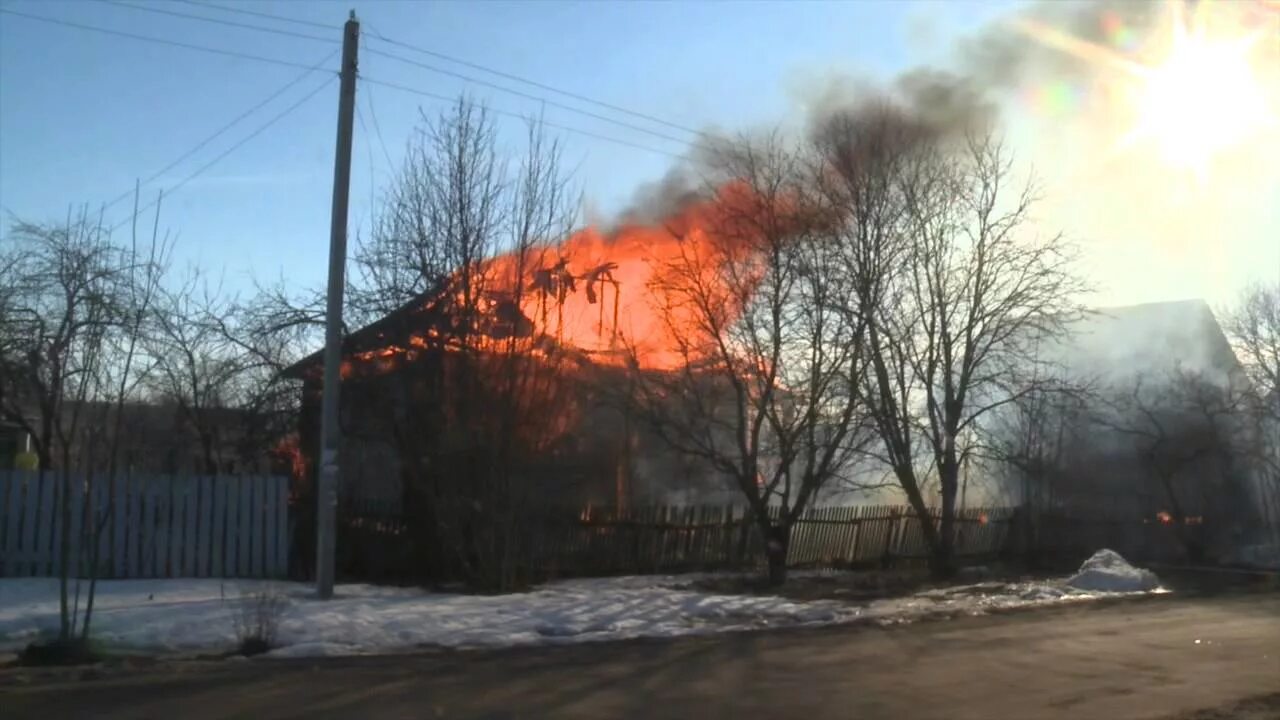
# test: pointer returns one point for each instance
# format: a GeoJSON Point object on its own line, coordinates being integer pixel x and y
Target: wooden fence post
{"type": "Point", "coordinates": [10, 505]}
{"type": "Point", "coordinates": [31, 529]}
{"type": "Point", "coordinates": [857, 535]}
{"type": "Point", "coordinates": [890, 533]}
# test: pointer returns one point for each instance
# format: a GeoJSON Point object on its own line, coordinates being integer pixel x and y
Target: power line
{"type": "Point", "coordinates": [373, 33]}
{"type": "Point", "coordinates": [258, 13]}
{"type": "Point", "coordinates": [566, 128]}
{"type": "Point", "coordinates": [530, 96]}
{"type": "Point", "coordinates": [534, 83]}
{"type": "Point", "coordinates": [258, 131]}
{"type": "Point", "coordinates": [160, 41]}
{"type": "Point", "coordinates": [368, 98]}
{"type": "Point", "coordinates": [199, 146]}
{"type": "Point", "coordinates": [229, 23]}
{"type": "Point", "coordinates": [368, 148]}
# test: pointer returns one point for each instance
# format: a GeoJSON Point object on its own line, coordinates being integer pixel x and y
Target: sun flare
{"type": "Point", "coordinates": [1190, 87]}
{"type": "Point", "coordinates": [1201, 101]}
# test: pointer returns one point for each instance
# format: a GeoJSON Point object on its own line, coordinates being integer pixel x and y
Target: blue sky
{"type": "Point", "coordinates": [83, 114]}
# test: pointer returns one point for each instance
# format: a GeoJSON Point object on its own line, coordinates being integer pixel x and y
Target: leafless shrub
{"type": "Point", "coordinates": [256, 619]}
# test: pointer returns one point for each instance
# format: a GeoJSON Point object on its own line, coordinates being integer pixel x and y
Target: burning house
{"type": "Point", "coordinates": [554, 338]}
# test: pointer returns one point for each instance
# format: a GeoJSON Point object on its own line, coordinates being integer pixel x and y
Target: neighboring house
{"type": "Point", "coordinates": [1151, 341]}
{"type": "Point", "coordinates": [602, 457]}
{"type": "Point", "coordinates": [1153, 440]}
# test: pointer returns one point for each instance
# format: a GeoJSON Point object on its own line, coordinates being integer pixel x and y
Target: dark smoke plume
{"type": "Point", "coordinates": [989, 66]}
{"type": "Point", "coordinates": [657, 200]}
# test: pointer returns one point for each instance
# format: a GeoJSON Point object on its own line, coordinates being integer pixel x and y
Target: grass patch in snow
{"type": "Point", "coordinates": [56, 651]}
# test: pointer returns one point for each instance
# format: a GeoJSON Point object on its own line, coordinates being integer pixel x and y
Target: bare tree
{"type": "Point", "coordinates": [69, 277]}
{"type": "Point", "coordinates": [481, 393]}
{"type": "Point", "coordinates": [764, 392]}
{"type": "Point", "coordinates": [219, 362]}
{"type": "Point", "coordinates": [957, 291]}
{"type": "Point", "coordinates": [1190, 438]}
{"type": "Point", "coordinates": [61, 285]}
{"type": "Point", "coordinates": [1034, 449]}
{"type": "Point", "coordinates": [1028, 440]}
{"type": "Point", "coordinates": [70, 337]}
{"type": "Point", "coordinates": [260, 337]}
{"type": "Point", "coordinates": [442, 217]}
{"type": "Point", "coordinates": [197, 365]}
{"type": "Point", "coordinates": [1253, 326]}
{"type": "Point", "coordinates": [118, 380]}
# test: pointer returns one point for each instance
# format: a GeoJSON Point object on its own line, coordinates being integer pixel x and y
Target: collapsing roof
{"type": "Point", "coordinates": [424, 316]}
{"type": "Point", "coordinates": [395, 328]}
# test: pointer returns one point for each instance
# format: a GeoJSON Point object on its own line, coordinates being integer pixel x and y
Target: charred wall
{"type": "Point", "coordinates": [603, 457]}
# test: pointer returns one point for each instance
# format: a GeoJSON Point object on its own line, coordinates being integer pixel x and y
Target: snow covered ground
{"type": "Point", "coordinates": [199, 616]}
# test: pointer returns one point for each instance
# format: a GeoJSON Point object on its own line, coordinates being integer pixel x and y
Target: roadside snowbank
{"type": "Point", "coordinates": [1106, 571]}
{"type": "Point", "coordinates": [182, 616]}
{"type": "Point", "coordinates": [199, 615]}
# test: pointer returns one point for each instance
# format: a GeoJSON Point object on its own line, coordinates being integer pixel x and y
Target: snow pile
{"type": "Point", "coordinates": [1106, 571]}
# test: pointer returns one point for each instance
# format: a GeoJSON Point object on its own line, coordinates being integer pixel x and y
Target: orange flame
{"type": "Point", "coordinates": [604, 293]}
{"type": "Point", "coordinates": [287, 450]}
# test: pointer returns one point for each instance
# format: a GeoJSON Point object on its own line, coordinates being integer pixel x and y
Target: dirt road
{"type": "Point", "coordinates": [1128, 660]}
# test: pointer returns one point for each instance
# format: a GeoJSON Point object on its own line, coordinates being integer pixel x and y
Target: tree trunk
{"type": "Point", "coordinates": [44, 445]}
{"type": "Point", "coordinates": [64, 555]}
{"type": "Point", "coordinates": [777, 541]}
{"type": "Point", "coordinates": [916, 499]}
{"type": "Point", "coordinates": [943, 562]}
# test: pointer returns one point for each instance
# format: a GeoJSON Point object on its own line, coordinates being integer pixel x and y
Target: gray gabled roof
{"type": "Point", "coordinates": [1148, 339]}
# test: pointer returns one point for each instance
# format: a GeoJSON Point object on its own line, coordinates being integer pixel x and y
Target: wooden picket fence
{"type": "Point", "coordinates": [1067, 537]}
{"type": "Point", "coordinates": [595, 541]}
{"type": "Point", "coordinates": [672, 538]}
{"type": "Point", "coordinates": [146, 527]}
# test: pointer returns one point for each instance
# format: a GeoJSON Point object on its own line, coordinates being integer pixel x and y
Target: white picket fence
{"type": "Point", "coordinates": [149, 527]}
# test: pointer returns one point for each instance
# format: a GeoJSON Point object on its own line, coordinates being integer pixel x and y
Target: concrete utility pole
{"type": "Point", "coordinates": [330, 435]}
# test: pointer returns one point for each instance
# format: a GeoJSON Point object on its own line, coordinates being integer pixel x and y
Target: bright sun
{"type": "Point", "coordinates": [1195, 94]}
{"type": "Point", "coordinates": [1202, 100]}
